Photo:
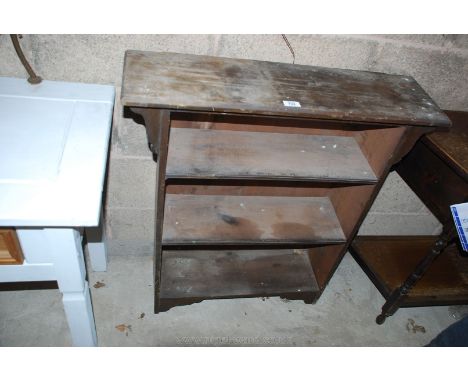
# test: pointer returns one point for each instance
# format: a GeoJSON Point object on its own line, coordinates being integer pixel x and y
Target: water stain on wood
{"type": "Point", "coordinates": [293, 230]}
{"type": "Point", "coordinates": [233, 71]}
{"type": "Point", "coordinates": [236, 228]}
{"type": "Point", "coordinates": [229, 219]}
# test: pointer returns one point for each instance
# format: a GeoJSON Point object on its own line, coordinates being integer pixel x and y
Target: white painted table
{"type": "Point", "coordinates": [54, 141]}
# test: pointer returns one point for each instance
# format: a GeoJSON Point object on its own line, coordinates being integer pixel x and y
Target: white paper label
{"type": "Point", "coordinates": [291, 104]}
{"type": "Point", "coordinates": [460, 216]}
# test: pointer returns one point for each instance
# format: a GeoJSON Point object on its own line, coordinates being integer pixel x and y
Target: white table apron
{"type": "Point", "coordinates": [54, 141]}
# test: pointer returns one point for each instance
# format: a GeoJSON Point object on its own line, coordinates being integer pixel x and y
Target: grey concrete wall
{"type": "Point", "coordinates": [438, 62]}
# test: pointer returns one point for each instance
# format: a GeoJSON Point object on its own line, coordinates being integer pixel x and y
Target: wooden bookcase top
{"type": "Point", "coordinates": [225, 85]}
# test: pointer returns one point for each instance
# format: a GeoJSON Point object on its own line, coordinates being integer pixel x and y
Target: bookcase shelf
{"type": "Point", "coordinates": [191, 276]}
{"type": "Point", "coordinates": [218, 154]}
{"type": "Point", "coordinates": [250, 220]}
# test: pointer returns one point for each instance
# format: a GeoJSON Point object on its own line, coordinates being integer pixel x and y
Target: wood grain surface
{"type": "Point", "coordinates": [215, 274]}
{"type": "Point", "coordinates": [215, 84]}
{"type": "Point", "coordinates": [215, 154]}
{"type": "Point", "coordinates": [227, 219]}
{"type": "Point", "coordinates": [391, 259]}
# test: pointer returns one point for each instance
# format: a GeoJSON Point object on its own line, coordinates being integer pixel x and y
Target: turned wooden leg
{"type": "Point", "coordinates": [393, 302]}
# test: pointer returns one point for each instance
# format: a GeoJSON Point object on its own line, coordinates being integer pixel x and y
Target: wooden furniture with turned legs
{"type": "Point", "coordinates": [264, 170]}
{"type": "Point", "coordinates": [425, 270]}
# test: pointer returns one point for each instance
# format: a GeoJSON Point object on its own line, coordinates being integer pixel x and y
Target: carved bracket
{"type": "Point", "coordinates": [153, 121]}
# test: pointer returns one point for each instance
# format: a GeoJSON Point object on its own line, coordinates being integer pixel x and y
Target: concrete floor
{"type": "Point", "coordinates": [343, 316]}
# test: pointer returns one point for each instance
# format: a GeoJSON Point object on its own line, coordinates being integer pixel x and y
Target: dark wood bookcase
{"type": "Point", "coordinates": [265, 170]}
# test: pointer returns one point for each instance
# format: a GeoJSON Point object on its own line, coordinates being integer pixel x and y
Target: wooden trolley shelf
{"type": "Point", "coordinates": [221, 154]}
{"type": "Point", "coordinates": [229, 220]}
{"type": "Point", "coordinates": [191, 276]}
{"type": "Point", "coordinates": [388, 260]}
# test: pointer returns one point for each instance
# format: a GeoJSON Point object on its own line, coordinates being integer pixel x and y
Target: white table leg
{"type": "Point", "coordinates": [96, 247]}
{"type": "Point", "coordinates": [65, 244]}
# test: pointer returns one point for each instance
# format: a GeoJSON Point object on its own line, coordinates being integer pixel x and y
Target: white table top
{"type": "Point", "coordinates": [54, 140]}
